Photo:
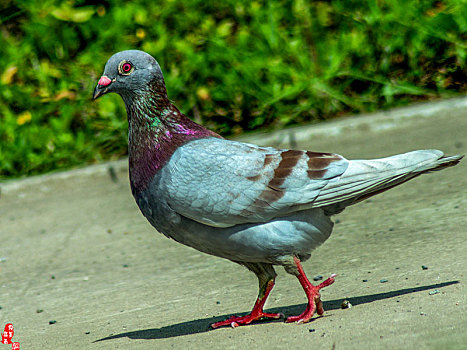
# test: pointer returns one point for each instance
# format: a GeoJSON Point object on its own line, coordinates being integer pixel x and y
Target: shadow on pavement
{"type": "Point", "coordinates": [203, 325]}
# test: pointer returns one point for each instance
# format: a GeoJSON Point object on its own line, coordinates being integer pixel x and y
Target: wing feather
{"type": "Point", "coordinates": [224, 183]}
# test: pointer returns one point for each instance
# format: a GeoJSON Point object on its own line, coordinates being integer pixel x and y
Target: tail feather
{"type": "Point", "coordinates": [442, 163]}
{"type": "Point", "coordinates": [366, 178]}
{"type": "Point", "coordinates": [446, 162]}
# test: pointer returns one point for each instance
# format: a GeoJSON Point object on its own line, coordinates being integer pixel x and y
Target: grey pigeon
{"type": "Point", "coordinates": [256, 206]}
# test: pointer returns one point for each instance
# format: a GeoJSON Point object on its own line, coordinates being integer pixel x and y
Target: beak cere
{"type": "Point", "coordinates": [104, 81]}
{"type": "Point", "coordinates": [102, 87]}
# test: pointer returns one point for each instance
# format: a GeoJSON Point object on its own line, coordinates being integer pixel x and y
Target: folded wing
{"type": "Point", "coordinates": [224, 183]}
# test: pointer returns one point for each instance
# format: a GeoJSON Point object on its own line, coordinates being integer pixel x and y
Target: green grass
{"type": "Point", "coordinates": [233, 65]}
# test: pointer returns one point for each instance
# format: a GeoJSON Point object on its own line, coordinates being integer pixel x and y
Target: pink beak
{"type": "Point", "coordinates": [104, 81]}
{"type": "Point", "coordinates": [102, 87]}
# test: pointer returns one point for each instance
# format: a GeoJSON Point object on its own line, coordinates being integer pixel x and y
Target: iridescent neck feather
{"type": "Point", "coordinates": [156, 130]}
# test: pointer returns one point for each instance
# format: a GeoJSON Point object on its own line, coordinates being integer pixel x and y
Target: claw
{"type": "Point", "coordinates": [236, 321]}
{"type": "Point", "coordinates": [312, 292]}
{"type": "Point", "coordinates": [314, 303]}
{"type": "Point", "coordinates": [256, 314]}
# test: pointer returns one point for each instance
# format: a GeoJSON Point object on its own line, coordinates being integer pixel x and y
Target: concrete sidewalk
{"type": "Point", "coordinates": [75, 249]}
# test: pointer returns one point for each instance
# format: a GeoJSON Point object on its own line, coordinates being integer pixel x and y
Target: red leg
{"type": "Point", "coordinates": [312, 293]}
{"type": "Point", "coordinates": [256, 314]}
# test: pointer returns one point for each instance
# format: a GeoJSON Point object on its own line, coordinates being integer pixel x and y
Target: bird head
{"type": "Point", "coordinates": [129, 73]}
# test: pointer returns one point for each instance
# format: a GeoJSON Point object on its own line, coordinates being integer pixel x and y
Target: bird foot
{"type": "Point", "coordinates": [236, 321]}
{"type": "Point", "coordinates": [314, 302]}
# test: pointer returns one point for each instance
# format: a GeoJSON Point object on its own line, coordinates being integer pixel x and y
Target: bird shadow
{"type": "Point", "coordinates": [203, 324]}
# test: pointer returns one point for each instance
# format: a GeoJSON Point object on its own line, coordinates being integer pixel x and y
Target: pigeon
{"type": "Point", "coordinates": [256, 206]}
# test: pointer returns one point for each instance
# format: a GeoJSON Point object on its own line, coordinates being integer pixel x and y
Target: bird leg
{"type": "Point", "coordinates": [257, 313]}
{"type": "Point", "coordinates": [312, 293]}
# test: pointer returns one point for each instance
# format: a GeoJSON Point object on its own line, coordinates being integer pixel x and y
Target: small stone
{"type": "Point", "coordinates": [432, 292]}
{"type": "Point", "coordinates": [422, 313]}
{"type": "Point", "coordinates": [364, 280]}
{"type": "Point", "coordinates": [317, 278]}
{"type": "Point", "coordinates": [87, 332]}
{"type": "Point", "coordinates": [218, 302]}
{"type": "Point", "coordinates": [424, 267]}
{"type": "Point", "coordinates": [52, 322]}
{"type": "Point", "coordinates": [383, 280]}
{"type": "Point", "coordinates": [346, 304]}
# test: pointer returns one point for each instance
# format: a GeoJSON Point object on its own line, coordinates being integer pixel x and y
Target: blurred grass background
{"type": "Point", "coordinates": [232, 65]}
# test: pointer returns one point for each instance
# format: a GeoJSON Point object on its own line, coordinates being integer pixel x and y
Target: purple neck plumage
{"type": "Point", "coordinates": [156, 130]}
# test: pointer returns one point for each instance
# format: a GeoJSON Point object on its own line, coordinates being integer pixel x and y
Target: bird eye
{"type": "Point", "coordinates": [125, 68]}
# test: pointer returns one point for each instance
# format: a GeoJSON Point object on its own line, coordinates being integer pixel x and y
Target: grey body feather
{"type": "Point", "coordinates": [203, 198]}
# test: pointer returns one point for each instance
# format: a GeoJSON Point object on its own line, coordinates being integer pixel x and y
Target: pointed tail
{"type": "Point", "coordinates": [366, 178]}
